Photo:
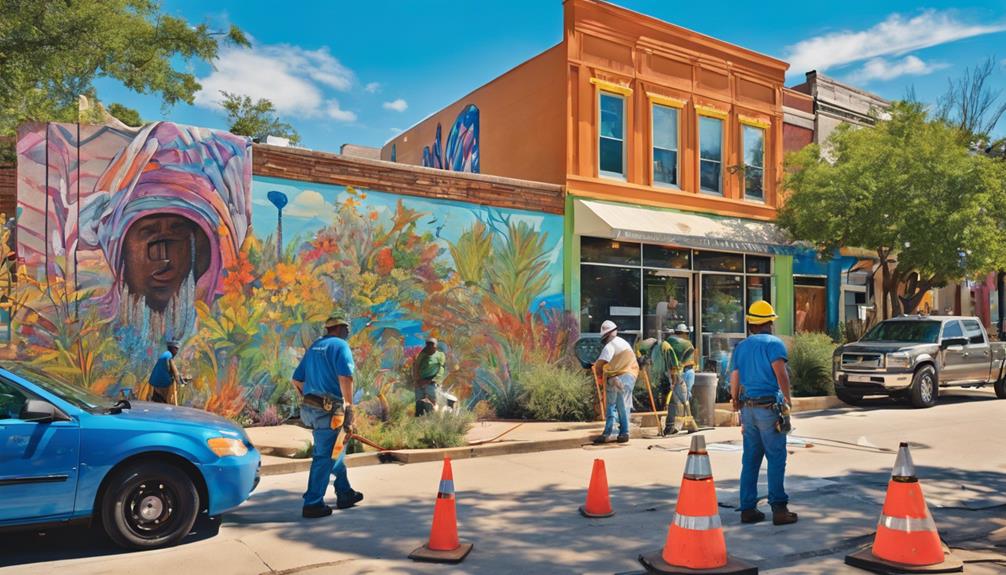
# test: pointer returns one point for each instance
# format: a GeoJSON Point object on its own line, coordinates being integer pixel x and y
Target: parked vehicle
{"type": "Point", "coordinates": [914, 357]}
{"type": "Point", "coordinates": [142, 471]}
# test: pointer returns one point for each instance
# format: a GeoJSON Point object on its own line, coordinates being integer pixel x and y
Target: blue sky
{"type": "Point", "coordinates": [357, 71]}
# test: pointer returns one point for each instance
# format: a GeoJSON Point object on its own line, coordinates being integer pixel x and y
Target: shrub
{"type": "Point", "coordinates": [556, 392]}
{"type": "Point", "coordinates": [810, 365]}
{"type": "Point", "coordinates": [437, 429]}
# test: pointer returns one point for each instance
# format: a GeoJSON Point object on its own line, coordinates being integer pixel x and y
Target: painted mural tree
{"type": "Point", "coordinates": [907, 189]}
{"type": "Point", "coordinates": [52, 52]}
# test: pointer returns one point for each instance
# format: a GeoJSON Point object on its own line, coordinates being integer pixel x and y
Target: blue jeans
{"type": "Point", "coordinates": [619, 404]}
{"type": "Point", "coordinates": [761, 440]}
{"type": "Point", "coordinates": [321, 457]}
{"type": "Point", "coordinates": [683, 382]}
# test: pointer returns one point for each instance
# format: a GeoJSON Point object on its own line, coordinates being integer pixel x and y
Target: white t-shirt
{"type": "Point", "coordinates": [620, 357]}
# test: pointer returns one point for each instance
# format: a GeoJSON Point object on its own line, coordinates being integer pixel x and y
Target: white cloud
{"type": "Point", "coordinates": [888, 69]}
{"type": "Point", "coordinates": [373, 87]}
{"type": "Point", "coordinates": [309, 204]}
{"type": "Point", "coordinates": [896, 35]}
{"type": "Point", "coordinates": [398, 105]}
{"type": "Point", "coordinates": [396, 130]}
{"type": "Point", "coordinates": [293, 79]}
{"type": "Point", "coordinates": [332, 110]}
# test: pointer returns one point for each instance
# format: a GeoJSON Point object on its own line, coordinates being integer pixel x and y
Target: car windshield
{"type": "Point", "coordinates": [77, 396]}
{"type": "Point", "coordinates": [905, 331]}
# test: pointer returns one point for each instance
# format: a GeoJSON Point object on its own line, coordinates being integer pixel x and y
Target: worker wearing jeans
{"type": "Point", "coordinates": [758, 382]}
{"type": "Point", "coordinates": [618, 367]}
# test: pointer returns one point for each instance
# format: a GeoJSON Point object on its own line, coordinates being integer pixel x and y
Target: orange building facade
{"type": "Point", "coordinates": [669, 145]}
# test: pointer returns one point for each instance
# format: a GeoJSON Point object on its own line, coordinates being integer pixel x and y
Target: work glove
{"type": "Point", "coordinates": [348, 421]}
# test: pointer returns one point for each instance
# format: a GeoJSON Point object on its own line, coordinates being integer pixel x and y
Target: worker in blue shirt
{"type": "Point", "coordinates": [759, 388]}
{"type": "Point", "coordinates": [164, 376]}
{"type": "Point", "coordinates": [325, 379]}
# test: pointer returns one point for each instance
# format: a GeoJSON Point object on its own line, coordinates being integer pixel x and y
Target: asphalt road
{"type": "Point", "coordinates": [520, 511]}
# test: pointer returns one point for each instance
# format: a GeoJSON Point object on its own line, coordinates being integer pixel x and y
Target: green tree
{"type": "Point", "coordinates": [908, 189]}
{"type": "Point", "coordinates": [52, 51]}
{"type": "Point", "coordinates": [126, 115]}
{"type": "Point", "coordinates": [256, 118]}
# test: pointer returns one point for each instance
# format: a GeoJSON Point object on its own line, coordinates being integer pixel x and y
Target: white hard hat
{"type": "Point", "coordinates": [682, 328]}
{"type": "Point", "coordinates": [608, 327]}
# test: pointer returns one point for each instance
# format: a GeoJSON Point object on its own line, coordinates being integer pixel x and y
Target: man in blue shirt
{"type": "Point", "coordinates": [759, 384]}
{"type": "Point", "coordinates": [325, 379]}
{"type": "Point", "coordinates": [164, 375]}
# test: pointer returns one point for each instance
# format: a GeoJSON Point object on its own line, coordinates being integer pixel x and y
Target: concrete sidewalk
{"type": "Point", "coordinates": [286, 448]}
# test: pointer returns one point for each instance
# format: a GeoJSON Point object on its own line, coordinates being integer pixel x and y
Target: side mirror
{"type": "Point", "coordinates": [40, 411]}
{"type": "Point", "coordinates": [954, 342]}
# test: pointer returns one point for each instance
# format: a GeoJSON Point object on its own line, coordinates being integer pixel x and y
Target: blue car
{"type": "Point", "coordinates": [142, 471]}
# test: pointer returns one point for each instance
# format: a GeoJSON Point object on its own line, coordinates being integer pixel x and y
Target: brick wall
{"type": "Point", "coordinates": [326, 168]}
{"type": "Point", "coordinates": [8, 177]}
{"type": "Point", "coordinates": [794, 138]}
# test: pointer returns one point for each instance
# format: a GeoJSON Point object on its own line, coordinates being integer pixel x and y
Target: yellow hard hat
{"type": "Point", "coordinates": [761, 312]}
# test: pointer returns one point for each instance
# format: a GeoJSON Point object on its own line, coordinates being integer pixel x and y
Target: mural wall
{"type": "Point", "coordinates": [133, 237]}
{"type": "Point", "coordinates": [462, 152]}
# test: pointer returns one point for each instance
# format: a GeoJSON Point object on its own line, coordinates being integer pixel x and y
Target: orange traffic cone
{"type": "Point", "coordinates": [444, 546]}
{"type": "Point", "coordinates": [906, 540]}
{"type": "Point", "coordinates": [695, 542]}
{"type": "Point", "coordinates": [598, 504]}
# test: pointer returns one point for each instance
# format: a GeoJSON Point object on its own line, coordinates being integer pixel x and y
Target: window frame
{"type": "Point", "coordinates": [601, 93]}
{"type": "Point", "coordinates": [764, 127]}
{"type": "Point", "coordinates": [677, 108]}
{"type": "Point", "coordinates": [721, 117]}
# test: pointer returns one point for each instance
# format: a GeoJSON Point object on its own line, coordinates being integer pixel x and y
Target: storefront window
{"type": "Point", "coordinates": [718, 262]}
{"type": "Point", "coordinates": [608, 292]}
{"type": "Point", "coordinates": [758, 264]}
{"type": "Point", "coordinates": [667, 298]}
{"type": "Point", "coordinates": [661, 257]}
{"type": "Point", "coordinates": [602, 251]}
{"type": "Point", "coordinates": [722, 304]}
{"type": "Point", "coordinates": [759, 288]}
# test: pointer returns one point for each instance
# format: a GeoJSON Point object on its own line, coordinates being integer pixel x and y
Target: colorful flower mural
{"type": "Point", "coordinates": [169, 237]}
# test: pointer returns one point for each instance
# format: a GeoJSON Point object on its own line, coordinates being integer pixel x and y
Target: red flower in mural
{"type": "Point", "coordinates": [239, 275]}
{"type": "Point", "coordinates": [385, 261]}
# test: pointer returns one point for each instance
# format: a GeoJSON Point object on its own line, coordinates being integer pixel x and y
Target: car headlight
{"type": "Point", "coordinates": [227, 446]}
{"type": "Point", "coordinates": [899, 361]}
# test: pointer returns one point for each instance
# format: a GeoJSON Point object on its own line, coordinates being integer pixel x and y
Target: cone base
{"type": "Point", "coordinates": [586, 513]}
{"type": "Point", "coordinates": [865, 559]}
{"type": "Point", "coordinates": [654, 563]}
{"type": "Point", "coordinates": [427, 555]}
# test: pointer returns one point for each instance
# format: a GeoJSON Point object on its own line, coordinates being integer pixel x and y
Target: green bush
{"type": "Point", "coordinates": [557, 393]}
{"type": "Point", "coordinates": [810, 365]}
{"type": "Point", "coordinates": [403, 430]}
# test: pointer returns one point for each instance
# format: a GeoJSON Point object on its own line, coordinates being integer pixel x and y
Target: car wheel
{"type": "Point", "coordinates": [847, 397]}
{"type": "Point", "coordinates": [148, 505]}
{"type": "Point", "coordinates": [924, 387]}
{"type": "Point", "coordinates": [1000, 387]}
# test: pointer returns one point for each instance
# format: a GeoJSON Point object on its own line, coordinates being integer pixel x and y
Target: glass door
{"type": "Point", "coordinates": [667, 300]}
{"type": "Point", "coordinates": [722, 320]}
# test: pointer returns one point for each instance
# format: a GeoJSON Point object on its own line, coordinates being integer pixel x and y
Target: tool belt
{"type": "Point", "coordinates": [324, 403]}
{"type": "Point", "coordinates": [769, 402]}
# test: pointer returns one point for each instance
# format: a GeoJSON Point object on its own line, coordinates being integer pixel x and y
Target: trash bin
{"type": "Point", "coordinates": [704, 392]}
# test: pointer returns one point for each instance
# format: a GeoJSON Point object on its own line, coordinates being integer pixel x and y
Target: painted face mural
{"type": "Point", "coordinates": [160, 254]}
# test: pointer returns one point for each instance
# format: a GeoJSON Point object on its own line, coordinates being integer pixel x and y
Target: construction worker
{"type": "Point", "coordinates": [324, 378]}
{"type": "Point", "coordinates": [759, 388]}
{"type": "Point", "coordinates": [164, 377]}
{"type": "Point", "coordinates": [618, 367]}
{"type": "Point", "coordinates": [680, 365]}
{"type": "Point", "coordinates": [427, 375]}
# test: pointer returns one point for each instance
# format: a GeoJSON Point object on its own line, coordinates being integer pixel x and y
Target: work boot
{"type": "Point", "coordinates": [316, 511]}
{"type": "Point", "coordinates": [347, 499]}
{"type": "Point", "coordinates": [623, 438]}
{"type": "Point", "coordinates": [603, 439]}
{"type": "Point", "coordinates": [781, 515]}
{"type": "Point", "coordinates": [752, 516]}
{"type": "Point", "coordinates": [670, 430]}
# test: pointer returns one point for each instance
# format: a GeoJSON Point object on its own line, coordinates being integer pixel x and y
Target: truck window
{"type": "Point", "coordinates": [925, 331]}
{"type": "Point", "coordinates": [973, 331]}
{"type": "Point", "coordinates": [952, 329]}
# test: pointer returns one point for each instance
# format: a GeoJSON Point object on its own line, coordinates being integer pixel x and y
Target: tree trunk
{"type": "Point", "coordinates": [890, 286]}
{"type": "Point", "coordinates": [915, 290]}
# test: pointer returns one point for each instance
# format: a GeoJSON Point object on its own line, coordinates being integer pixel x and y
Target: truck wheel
{"type": "Point", "coordinates": [149, 504]}
{"type": "Point", "coordinates": [849, 398]}
{"type": "Point", "coordinates": [1000, 387]}
{"type": "Point", "coordinates": [924, 387]}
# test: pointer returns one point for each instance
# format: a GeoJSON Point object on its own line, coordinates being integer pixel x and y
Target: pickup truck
{"type": "Point", "coordinates": [912, 357]}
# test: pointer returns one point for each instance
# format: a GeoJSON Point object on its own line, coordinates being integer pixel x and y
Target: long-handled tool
{"type": "Point", "coordinates": [643, 369]}
{"type": "Point", "coordinates": [587, 349]}
{"type": "Point", "coordinates": [687, 421]}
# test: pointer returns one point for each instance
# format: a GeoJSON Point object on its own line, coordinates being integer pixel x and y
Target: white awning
{"type": "Point", "coordinates": [652, 225]}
